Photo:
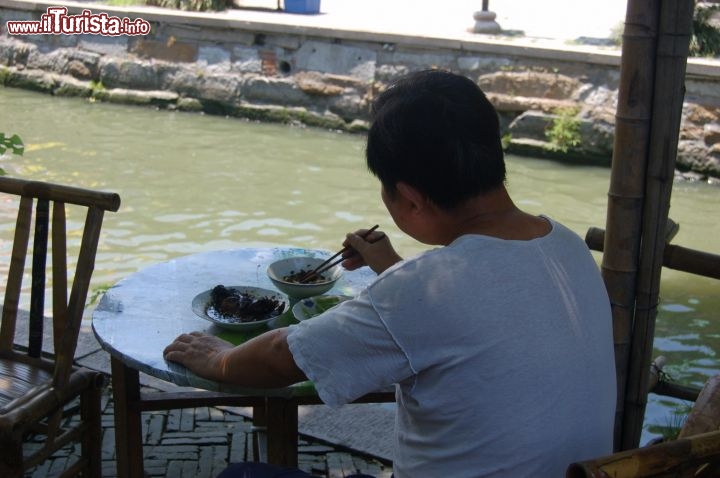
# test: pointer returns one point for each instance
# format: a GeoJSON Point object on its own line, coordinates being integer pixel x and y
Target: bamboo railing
{"type": "Point", "coordinates": [624, 211]}
{"type": "Point", "coordinates": [675, 257]}
{"type": "Point", "coordinates": [650, 96]}
{"type": "Point", "coordinates": [675, 30]}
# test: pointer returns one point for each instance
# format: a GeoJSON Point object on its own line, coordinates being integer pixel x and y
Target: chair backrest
{"type": "Point", "coordinates": [50, 225]}
{"type": "Point", "coordinates": [696, 452]}
{"type": "Point", "coordinates": [697, 456]}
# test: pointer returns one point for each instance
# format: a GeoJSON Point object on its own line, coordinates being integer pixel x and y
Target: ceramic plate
{"type": "Point", "coordinates": [202, 306]}
{"type": "Point", "coordinates": [307, 308]}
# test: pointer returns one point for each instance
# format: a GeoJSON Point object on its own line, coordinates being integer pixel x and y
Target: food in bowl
{"type": "Point", "coordinates": [236, 306]}
{"type": "Point", "coordinates": [286, 273]}
{"type": "Point", "coordinates": [296, 277]}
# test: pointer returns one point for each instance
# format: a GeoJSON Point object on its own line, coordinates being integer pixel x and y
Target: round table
{"type": "Point", "coordinates": [140, 315]}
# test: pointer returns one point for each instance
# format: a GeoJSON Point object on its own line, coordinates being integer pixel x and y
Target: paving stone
{"type": "Point", "coordinates": [187, 420]}
{"type": "Point", "coordinates": [366, 467]}
{"type": "Point", "coordinates": [219, 459]}
{"type": "Point", "coordinates": [217, 433]}
{"type": "Point", "coordinates": [41, 471]}
{"type": "Point", "coordinates": [189, 469]}
{"type": "Point", "coordinates": [201, 414]}
{"type": "Point", "coordinates": [238, 445]}
{"type": "Point", "coordinates": [184, 455]}
{"type": "Point", "coordinates": [109, 469]}
{"type": "Point", "coordinates": [174, 469]}
{"type": "Point", "coordinates": [155, 429]}
{"type": "Point", "coordinates": [339, 465]}
{"type": "Point", "coordinates": [189, 440]}
{"type": "Point", "coordinates": [173, 420]}
{"type": "Point", "coordinates": [205, 461]}
{"type": "Point", "coordinates": [216, 414]}
{"type": "Point", "coordinates": [176, 448]}
{"type": "Point", "coordinates": [315, 449]}
{"type": "Point", "coordinates": [217, 437]}
{"type": "Point", "coordinates": [58, 465]}
{"type": "Point", "coordinates": [108, 444]}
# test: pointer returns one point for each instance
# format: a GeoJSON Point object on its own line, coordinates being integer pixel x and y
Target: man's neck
{"type": "Point", "coordinates": [492, 214]}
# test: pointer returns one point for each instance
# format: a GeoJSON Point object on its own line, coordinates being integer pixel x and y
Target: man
{"type": "Point", "coordinates": [499, 341]}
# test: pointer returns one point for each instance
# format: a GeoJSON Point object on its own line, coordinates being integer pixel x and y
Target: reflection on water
{"type": "Point", "coordinates": [193, 183]}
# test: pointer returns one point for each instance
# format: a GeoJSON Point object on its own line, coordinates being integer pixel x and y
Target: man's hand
{"type": "Point", "coordinates": [201, 353]}
{"type": "Point", "coordinates": [375, 251]}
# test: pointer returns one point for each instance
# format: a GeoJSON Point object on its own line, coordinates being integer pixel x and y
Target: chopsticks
{"type": "Point", "coordinates": [328, 264]}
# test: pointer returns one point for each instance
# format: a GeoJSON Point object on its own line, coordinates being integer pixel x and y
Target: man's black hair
{"type": "Point", "coordinates": [436, 131]}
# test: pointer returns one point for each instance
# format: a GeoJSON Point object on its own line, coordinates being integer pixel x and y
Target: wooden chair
{"type": "Point", "coordinates": [696, 453]}
{"type": "Point", "coordinates": [36, 385]}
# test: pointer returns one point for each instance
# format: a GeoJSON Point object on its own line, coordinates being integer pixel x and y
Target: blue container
{"type": "Point", "coordinates": [302, 6]}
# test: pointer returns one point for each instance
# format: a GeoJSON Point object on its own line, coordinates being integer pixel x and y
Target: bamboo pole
{"type": "Point", "coordinates": [627, 180]}
{"type": "Point", "coordinates": [675, 27]}
{"type": "Point", "coordinates": [675, 257]}
{"type": "Point", "coordinates": [662, 387]}
{"type": "Point", "coordinates": [683, 457]}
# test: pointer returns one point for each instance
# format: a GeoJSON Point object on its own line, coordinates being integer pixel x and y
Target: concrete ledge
{"type": "Point", "coordinates": [280, 23]}
{"type": "Point", "coordinates": [311, 25]}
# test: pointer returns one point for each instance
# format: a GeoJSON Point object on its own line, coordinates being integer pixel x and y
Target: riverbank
{"type": "Point", "coordinates": [323, 70]}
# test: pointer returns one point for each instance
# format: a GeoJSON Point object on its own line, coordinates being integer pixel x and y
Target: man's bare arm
{"type": "Point", "coordinates": [262, 362]}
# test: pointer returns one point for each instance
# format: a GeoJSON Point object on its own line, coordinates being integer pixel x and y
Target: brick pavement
{"type": "Point", "coordinates": [200, 442]}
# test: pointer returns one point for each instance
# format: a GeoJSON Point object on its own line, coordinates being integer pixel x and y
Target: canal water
{"type": "Point", "coordinates": [192, 183]}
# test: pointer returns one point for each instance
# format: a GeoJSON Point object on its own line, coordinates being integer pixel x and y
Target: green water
{"type": "Point", "coordinates": [192, 183]}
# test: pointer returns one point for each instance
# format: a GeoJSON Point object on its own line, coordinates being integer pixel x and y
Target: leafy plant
{"type": "Point", "coordinates": [564, 132]}
{"type": "Point", "coordinates": [705, 40]}
{"type": "Point", "coordinates": [13, 144]}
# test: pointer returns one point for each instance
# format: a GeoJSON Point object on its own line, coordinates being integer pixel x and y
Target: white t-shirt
{"type": "Point", "coordinates": [501, 351]}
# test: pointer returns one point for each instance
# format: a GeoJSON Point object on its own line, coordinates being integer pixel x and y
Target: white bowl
{"type": "Point", "coordinates": [202, 305]}
{"type": "Point", "coordinates": [278, 270]}
{"type": "Point", "coordinates": [313, 306]}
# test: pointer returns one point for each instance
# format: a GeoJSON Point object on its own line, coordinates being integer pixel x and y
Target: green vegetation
{"type": "Point", "coordinates": [705, 40]}
{"type": "Point", "coordinates": [97, 293]}
{"type": "Point", "coordinates": [4, 74]}
{"type": "Point", "coordinates": [564, 132]}
{"type": "Point", "coordinates": [13, 143]}
{"type": "Point", "coordinates": [505, 141]}
{"type": "Point", "coordinates": [96, 86]}
{"type": "Point", "coordinates": [675, 422]}
{"type": "Point", "coordinates": [616, 33]}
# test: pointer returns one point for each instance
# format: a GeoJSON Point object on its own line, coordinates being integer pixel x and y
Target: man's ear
{"type": "Point", "coordinates": [415, 200]}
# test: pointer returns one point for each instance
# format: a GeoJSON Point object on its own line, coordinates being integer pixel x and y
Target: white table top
{"type": "Point", "coordinates": [140, 315]}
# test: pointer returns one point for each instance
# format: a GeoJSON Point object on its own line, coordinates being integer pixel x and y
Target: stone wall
{"type": "Point", "coordinates": [328, 78]}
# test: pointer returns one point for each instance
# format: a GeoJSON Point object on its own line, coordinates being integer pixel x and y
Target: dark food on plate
{"type": "Point", "coordinates": [294, 277]}
{"type": "Point", "coordinates": [236, 306]}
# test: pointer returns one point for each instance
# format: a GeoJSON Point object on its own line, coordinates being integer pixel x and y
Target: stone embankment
{"type": "Point", "coordinates": [223, 64]}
